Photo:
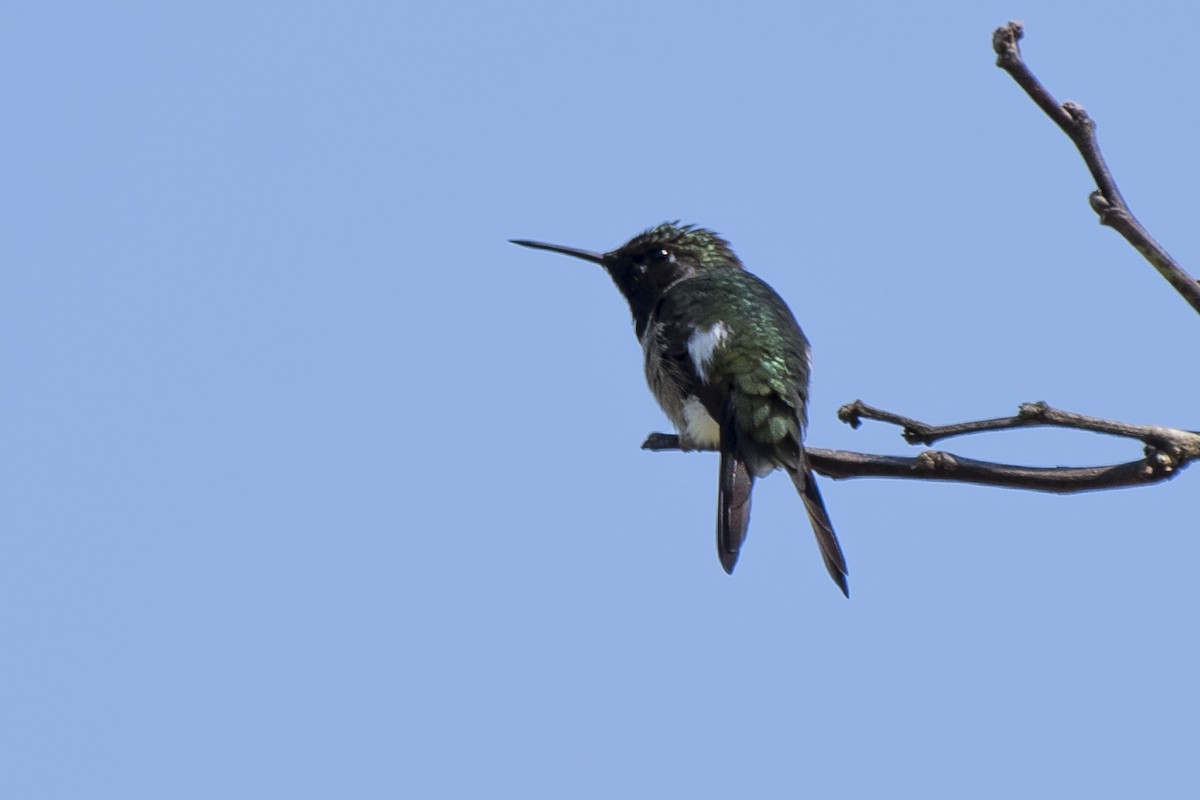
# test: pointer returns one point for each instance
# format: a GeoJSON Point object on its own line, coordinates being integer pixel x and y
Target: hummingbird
{"type": "Point", "coordinates": [727, 362]}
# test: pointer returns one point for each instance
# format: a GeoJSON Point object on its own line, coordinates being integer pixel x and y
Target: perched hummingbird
{"type": "Point", "coordinates": [727, 362]}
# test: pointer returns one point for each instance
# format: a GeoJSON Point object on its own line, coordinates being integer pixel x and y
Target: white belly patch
{"type": "Point", "coordinates": [699, 428]}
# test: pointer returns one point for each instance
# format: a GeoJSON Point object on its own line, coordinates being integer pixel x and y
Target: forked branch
{"type": "Point", "coordinates": [1165, 452]}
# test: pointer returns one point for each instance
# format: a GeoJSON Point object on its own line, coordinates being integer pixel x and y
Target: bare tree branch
{"type": "Point", "coordinates": [1106, 201]}
{"type": "Point", "coordinates": [1166, 451]}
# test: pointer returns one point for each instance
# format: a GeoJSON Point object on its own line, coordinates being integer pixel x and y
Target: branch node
{"type": "Point", "coordinates": [1111, 215]}
{"type": "Point", "coordinates": [1159, 463]}
{"type": "Point", "coordinates": [1004, 42]}
{"type": "Point", "coordinates": [1033, 410]}
{"type": "Point", "coordinates": [851, 414]}
{"type": "Point", "coordinates": [1099, 204]}
{"type": "Point", "coordinates": [936, 461]}
{"type": "Point", "coordinates": [1080, 119]}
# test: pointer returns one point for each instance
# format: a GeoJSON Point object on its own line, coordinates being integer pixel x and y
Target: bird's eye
{"type": "Point", "coordinates": [659, 256]}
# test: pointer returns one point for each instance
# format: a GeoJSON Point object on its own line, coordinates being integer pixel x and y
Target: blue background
{"type": "Point", "coordinates": [313, 486]}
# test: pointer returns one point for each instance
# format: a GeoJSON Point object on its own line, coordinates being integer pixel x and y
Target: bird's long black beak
{"type": "Point", "coordinates": [586, 255]}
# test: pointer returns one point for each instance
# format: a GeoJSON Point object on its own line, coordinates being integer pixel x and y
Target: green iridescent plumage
{"type": "Point", "coordinates": [762, 364]}
{"type": "Point", "coordinates": [727, 362]}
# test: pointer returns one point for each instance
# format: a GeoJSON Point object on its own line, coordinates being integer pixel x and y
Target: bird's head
{"type": "Point", "coordinates": [653, 261]}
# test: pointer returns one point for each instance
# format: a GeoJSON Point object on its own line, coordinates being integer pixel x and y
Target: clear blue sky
{"type": "Point", "coordinates": [314, 486]}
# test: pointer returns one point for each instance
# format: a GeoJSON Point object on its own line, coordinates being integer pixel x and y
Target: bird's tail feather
{"type": "Point", "coordinates": [827, 540]}
{"type": "Point", "coordinates": [733, 500]}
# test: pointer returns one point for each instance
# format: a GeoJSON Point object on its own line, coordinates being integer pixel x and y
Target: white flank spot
{"type": "Point", "coordinates": [703, 343]}
{"type": "Point", "coordinates": [699, 427]}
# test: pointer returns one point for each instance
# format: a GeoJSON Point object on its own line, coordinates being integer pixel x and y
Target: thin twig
{"type": "Point", "coordinates": [1106, 201]}
{"type": "Point", "coordinates": [1029, 415]}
